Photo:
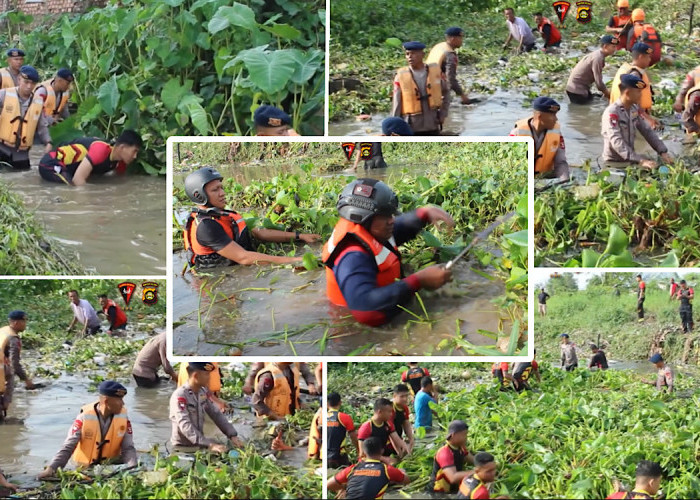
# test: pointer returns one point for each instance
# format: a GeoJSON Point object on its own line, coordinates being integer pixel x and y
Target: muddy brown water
{"type": "Point", "coordinates": [115, 225]}
{"type": "Point", "coordinates": [39, 420]}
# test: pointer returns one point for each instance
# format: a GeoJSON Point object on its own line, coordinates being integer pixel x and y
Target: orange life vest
{"type": "Point", "coordinates": [88, 451]}
{"type": "Point", "coordinates": [315, 450]}
{"type": "Point", "coordinates": [7, 81]}
{"type": "Point", "coordinates": [51, 106]}
{"type": "Point", "coordinates": [411, 95]}
{"type": "Point", "coordinates": [228, 220]}
{"type": "Point", "coordinates": [687, 98]}
{"type": "Point", "coordinates": [121, 316]}
{"type": "Point", "coordinates": [5, 334]}
{"type": "Point", "coordinates": [439, 53]}
{"type": "Point", "coordinates": [386, 257]}
{"type": "Point", "coordinates": [555, 34]}
{"type": "Point", "coordinates": [544, 159]}
{"type": "Point", "coordinates": [17, 130]}
{"type": "Point", "coordinates": [280, 397]}
{"type": "Point", "coordinates": [620, 22]}
{"type": "Point", "coordinates": [646, 33]}
{"type": "Point", "coordinates": [214, 377]}
{"type": "Point", "coordinates": [647, 102]}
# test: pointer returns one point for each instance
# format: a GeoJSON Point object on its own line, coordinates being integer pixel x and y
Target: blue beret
{"type": "Point", "coordinates": [633, 81]}
{"type": "Point", "coordinates": [564, 335]}
{"type": "Point", "coordinates": [202, 367]}
{"type": "Point", "coordinates": [15, 53]}
{"type": "Point", "coordinates": [112, 389]}
{"type": "Point", "coordinates": [454, 31]}
{"type": "Point", "coordinates": [270, 116]}
{"type": "Point", "coordinates": [656, 358]}
{"type": "Point", "coordinates": [642, 48]}
{"type": "Point", "coordinates": [396, 125]}
{"type": "Point", "coordinates": [546, 104]}
{"type": "Point", "coordinates": [609, 39]}
{"type": "Point", "coordinates": [65, 73]}
{"type": "Point", "coordinates": [29, 73]}
{"type": "Point", "coordinates": [15, 315]}
{"type": "Point", "coordinates": [414, 46]}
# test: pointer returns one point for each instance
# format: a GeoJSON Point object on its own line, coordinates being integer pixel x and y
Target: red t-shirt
{"type": "Point", "coordinates": [395, 475]}
{"type": "Point", "coordinates": [365, 430]}
{"type": "Point", "coordinates": [346, 420]}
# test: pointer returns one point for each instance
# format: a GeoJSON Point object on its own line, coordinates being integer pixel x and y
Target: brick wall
{"type": "Point", "coordinates": [49, 7]}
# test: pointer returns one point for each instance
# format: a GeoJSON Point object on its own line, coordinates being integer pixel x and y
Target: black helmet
{"type": "Point", "coordinates": [195, 182]}
{"type": "Point", "coordinates": [365, 198]}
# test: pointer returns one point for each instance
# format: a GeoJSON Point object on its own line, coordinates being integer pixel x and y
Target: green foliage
{"type": "Point", "coordinates": [185, 68]}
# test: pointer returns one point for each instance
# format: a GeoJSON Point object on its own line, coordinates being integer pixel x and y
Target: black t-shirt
{"type": "Point", "coordinates": [211, 234]}
{"type": "Point", "coordinates": [599, 360]}
{"type": "Point", "coordinates": [542, 297]}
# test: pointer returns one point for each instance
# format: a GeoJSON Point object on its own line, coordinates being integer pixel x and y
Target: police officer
{"type": "Point", "coordinates": [641, 60]}
{"type": "Point", "coordinates": [569, 360]}
{"type": "Point", "coordinates": [688, 102]}
{"type": "Point", "coordinates": [421, 95]}
{"type": "Point", "coordinates": [450, 461]}
{"type": "Point", "coordinates": [188, 404]}
{"type": "Point", "coordinates": [621, 120]}
{"type": "Point", "coordinates": [362, 259]}
{"type": "Point", "coordinates": [100, 432]}
{"type": "Point", "coordinates": [215, 236]}
{"type": "Point", "coordinates": [443, 54]}
{"type": "Point", "coordinates": [542, 126]}
{"type": "Point", "coordinates": [9, 77]}
{"type": "Point", "coordinates": [664, 374]}
{"type": "Point", "coordinates": [395, 126]}
{"type": "Point", "coordinates": [21, 116]}
{"type": "Point", "coordinates": [153, 355]}
{"type": "Point", "coordinates": [272, 121]}
{"type": "Point", "coordinates": [589, 70]}
{"type": "Point", "coordinates": [55, 94]}
{"type": "Point", "coordinates": [692, 79]}
{"type": "Point", "coordinates": [686, 294]}
{"type": "Point", "coordinates": [10, 350]}
{"type": "Point", "coordinates": [369, 478]}
{"type": "Point", "coordinates": [277, 389]}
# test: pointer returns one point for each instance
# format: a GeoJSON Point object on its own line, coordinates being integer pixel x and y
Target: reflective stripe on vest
{"type": "Point", "coordinates": [5, 334]}
{"type": "Point", "coordinates": [280, 397]}
{"type": "Point", "coordinates": [17, 130]}
{"type": "Point", "coordinates": [439, 53]}
{"type": "Point", "coordinates": [226, 220]}
{"type": "Point", "coordinates": [687, 99]}
{"type": "Point", "coordinates": [646, 101]}
{"type": "Point", "coordinates": [50, 107]}
{"type": "Point", "coordinates": [544, 159]}
{"type": "Point", "coordinates": [120, 318]}
{"type": "Point", "coordinates": [388, 262]}
{"type": "Point", "coordinates": [411, 96]}
{"type": "Point", "coordinates": [88, 451]}
{"type": "Point", "coordinates": [555, 35]}
{"type": "Point", "coordinates": [315, 450]}
{"type": "Point", "coordinates": [7, 80]}
{"type": "Point", "coordinates": [214, 377]}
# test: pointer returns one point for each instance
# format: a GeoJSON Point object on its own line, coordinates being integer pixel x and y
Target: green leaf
{"type": "Point", "coordinates": [617, 241]}
{"type": "Point", "coordinates": [519, 238]}
{"type": "Point", "coordinates": [430, 239]}
{"type": "Point", "coordinates": [393, 42]}
{"type": "Point", "coordinates": [310, 261]}
{"type": "Point", "coordinates": [67, 32]}
{"type": "Point", "coordinates": [172, 94]}
{"type": "Point", "coordinates": [199, 117]}
{"type": "Point", "coordinates": [283, 31]}
{"type": "Point", "coordinates": [108, 95]}
{"type": "Point", "coordinates": [269, 70]}
{"type": "Point", "coordinates": [236, 15]}
{"type": "Point", "coordinates": [307, 64]}
{"type": "Point", "coordinates": [671, 260]}
{"type": "Point", "coordinates": [589, 258]}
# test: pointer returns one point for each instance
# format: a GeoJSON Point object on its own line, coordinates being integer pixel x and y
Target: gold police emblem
{"type": "Point", "coordinates": [640, 85]}
{"type": "Point", "coordinates": [150, 293]}
{"type": "Point", "coordinates": [274, 122]}
{"type": "Point", "coordinates": [583, 11]}
{"type": "Point", "coordinates": [366, 150]}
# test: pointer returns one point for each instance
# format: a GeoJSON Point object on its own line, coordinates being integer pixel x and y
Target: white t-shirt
{"type": "Point", "coordinates": [84, 312]}
{"type": "Point", "coordinates": [520, 29]}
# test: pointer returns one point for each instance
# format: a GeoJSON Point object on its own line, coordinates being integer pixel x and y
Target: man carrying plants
{"type": "Point", "coordinates": [381, 426]}
{"type": "Point", "coordinates": [450, 460]}
{"type": "Point", "coordinates": [215, 236]}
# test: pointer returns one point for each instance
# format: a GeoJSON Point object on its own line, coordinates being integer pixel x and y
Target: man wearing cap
{"type": "Point", "coordinates": [542, 126]}
{"type": "Point", "coordinates": [518, 29]}
{"type": "Point", "coordinates": [569, 360]}
{"type": "Point", "coordinates": [598, 359]}
{"type": "Point", "coordinates": [21, 117]}
{"type": "Point", "coordinates": [620, 24]}
{"type": "Point", "coordinates": [443, 54]}
{"type": "Point", "coordinates": [550, 34]}
{"type": "Point", "coordinates": [686, 294]}
{"type": "Point", "coordinates": [83, 313]}
{"type": "Point", "coordinates": [74, 162]}
{"type": "Point", "coordinates": [645, 33]}
{"type": "Point", "coordinates": [101, 431]}
{"type": "Point", "coordinates": [188, 404]}
{"type": "Point", "coordinates": [589, 70]}
{"type": "Point", "coordinates": [450, 461]}
{"type": "Point", "coordinates": [152, 356]}
{"type": "Point", "coordinates": [641, 59]}
{"type": "Point", "coordinates": [619, 124]}
{"type": "Point", "coordinates": [272, 121]}
{"type": "Point", "coordinates": [215, 236]}
{"type": "Point", "coordinates": [10, 76]}
{"type": "Point", "coordinates": [276, 390]}
{"type": "Point", "coordinates": [10, 365]}
{"type": "Point", "coordinates": [55, 94]}
{"type": "Point", "coordinates": [362, 258]}
{"type": "Point", "coordinates": [664, 376]}
{"type": "Point", "coordinates": [395, 126]}
{"type": "Point", "coordinates": [421, 95]}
